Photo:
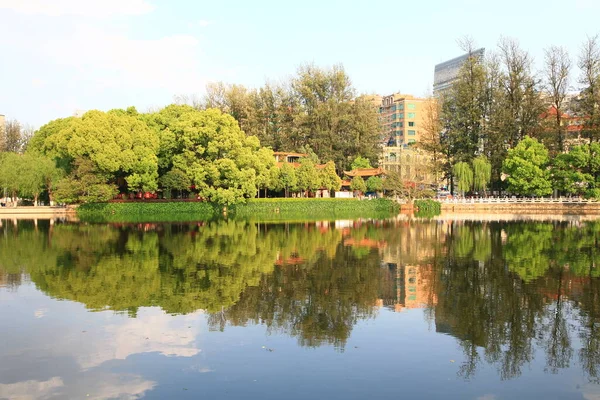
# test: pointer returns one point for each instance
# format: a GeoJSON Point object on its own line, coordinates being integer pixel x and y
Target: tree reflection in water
{"type": "Point", "coordinates": [504, 290]}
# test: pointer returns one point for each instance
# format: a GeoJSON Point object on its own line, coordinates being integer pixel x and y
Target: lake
{"type": "Point", "coordinates": [399, 308]}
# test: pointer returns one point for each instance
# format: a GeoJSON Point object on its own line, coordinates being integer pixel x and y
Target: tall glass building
{"type": "Point", "coordinates": [446, 73]}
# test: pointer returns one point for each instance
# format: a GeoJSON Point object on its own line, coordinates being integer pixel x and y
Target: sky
{"type": "Point", "coordinates": [59, 56]}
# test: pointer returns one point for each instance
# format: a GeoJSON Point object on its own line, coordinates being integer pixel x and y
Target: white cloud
{"type": "Point", "coordinates": [151, 331]}
{"type": "Point", "coordinates": [89, 8]}
{"type": "Point", "coordinates": [100, 385]}
{"type": "Point", "coordinates": [29, 390]}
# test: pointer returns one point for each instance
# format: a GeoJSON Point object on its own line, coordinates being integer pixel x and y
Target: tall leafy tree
{"type": "Point", "coordinates": [374, 184]}
{"type": "Point", "coordinates": [120, 146]}
{"type": "Point", "coordinates": [38, 173]}
{"type": "Point", "coordinates": [358, 184]}
{"type": "Point", "coordinates": [287, 178]}
{"type": "Point", "coordinates": [482, 173]}
{"type": "Point", "coordinates": [360, 162]}
{"type": "Point", "coordinates": [308, 176]}
{"type": "Point", "coordinates": [329, 178]}
{"type": "Point", "coordinates": [462, 113]}
{"type": "Point", "coordinates": [463, 175]}
{"type": "Point", "coordinates": [526, 168]}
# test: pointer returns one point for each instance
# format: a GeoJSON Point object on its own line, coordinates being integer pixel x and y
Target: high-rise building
{"type": "Point", "coordinates": [446, 73]}
{"type": "Point", "coordinates": [401, 117]}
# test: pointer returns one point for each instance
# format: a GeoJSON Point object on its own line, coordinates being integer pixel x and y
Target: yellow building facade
{"type": "Point", "coordinates": [401, 117]}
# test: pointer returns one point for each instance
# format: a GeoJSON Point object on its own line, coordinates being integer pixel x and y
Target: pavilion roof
{"type": "Point", "coordinates": [364, 172]}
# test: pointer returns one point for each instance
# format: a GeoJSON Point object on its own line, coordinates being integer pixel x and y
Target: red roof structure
{"type": "Point", "coordinates": [364, 172]}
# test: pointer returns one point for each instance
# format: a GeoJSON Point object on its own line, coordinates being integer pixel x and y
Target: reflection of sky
{"type": "Point", "coordinates": [54, 349]}
{"type": "Point", "coordinates": [62, 350]}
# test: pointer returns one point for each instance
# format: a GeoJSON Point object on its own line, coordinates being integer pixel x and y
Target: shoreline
{"type": "Point", "coordinates": [38, 212]}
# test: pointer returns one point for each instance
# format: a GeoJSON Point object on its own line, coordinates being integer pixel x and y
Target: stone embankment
{"type": "Point", "coordinates": [36, 212]}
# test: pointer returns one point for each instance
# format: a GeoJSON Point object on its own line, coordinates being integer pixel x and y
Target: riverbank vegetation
{"type": "Point", "coordinates": [533, 132]}
{"type": "Point", "coordinates": [291, 209]}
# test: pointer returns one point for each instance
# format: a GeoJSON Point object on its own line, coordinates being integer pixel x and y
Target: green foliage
{"type": "Point", "coordinates": [374, 184]}
{"type": "Point", "coordinates": [256, 209]}
{"type": "Point", "coordinates": [482, 173]}
{"type": "Point", "coordinates": [316, 111]}
{"type": "Point", "coordinates": [329, 178]}
{"type": "Point", "coordinates": [308, 177]}
{"type": "Point", "coordinates": [429, 207]}
{"type": "Point", "coordinates": [216, 155]}
{"type": "Point", "coordinates": [575, 172]}
{"type": "Point", "coordinates": [175, 179]}
{"type": "Point", "coordinates": [85, 184]}
{"type": "Point", "coordinates": [361, 162]}
{"type": "Point", "coordinates": [287, 178]}
{"type": "Point", "coordinates": [393, 184]}
{"type": "Point", "coordinates": [526, 167]}
{"type": "Point", "coordinates": [191, 210]}
{"type": "Point", "coordinates": [10, 172]}
{"type": "Point", "coordinates": [28, 174]}
{"type": "Point", "coordinates": [114, 145]}
{"type": "Point", "coordinates": [358, 184]}
{"type": "Point", "coordinates": [303, 208]}
{"type": "Point", "coordinates": [463, 175]}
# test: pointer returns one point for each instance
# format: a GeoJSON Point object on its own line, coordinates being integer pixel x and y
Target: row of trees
{"type": "Point", "coordinates": [528, 169]}
{"type": "Point", "coordinates": [14, 136]}
{"type": "Point", "coordinates": [498, 101]}
{"type": "Point", "coordinates": [94, 157]}
{"type": "Point", "coordinates": [317, 107]}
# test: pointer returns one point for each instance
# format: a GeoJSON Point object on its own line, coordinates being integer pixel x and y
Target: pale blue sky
{"type": "Point", "coordinates": [57, 56]}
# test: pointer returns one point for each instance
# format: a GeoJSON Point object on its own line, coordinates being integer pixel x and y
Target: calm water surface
{"type": "Point", "coordinates": [339, 310]}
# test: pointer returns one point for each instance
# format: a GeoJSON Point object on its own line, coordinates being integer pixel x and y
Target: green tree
{"type": "Point", "coordinates": [463, 110]}
{"type": "Point", "coordinates": [482, 173]}
{"type": "Point", "coordinates": [175, 179]}
{"type": "Point", "coordinates": [287, 178]}
{"type": "Point", "coordinates": [329, 178]}
{"type": "Point", "coordinates": [361, 162]}
{"type": "Point", "coordinates": [11, 166]}
{"type": "Point", "coordinates": [358, 184]}
{"type": "Point", "coordinates": [393, 184]}
{"type": "Point", "coordinates": [308, 176]}
{"type": "Point", "coordinates": [85, 184]}
{"type": "Point", "coordinates": [38, 173]}
{"type": "Point", "coordinates": [463, 175]}
{"type": "Point", "coordinates": [265, 165]}
{"type": "Point", "coordinates": [526, 168]}
{"type": "Point", "coordinates": [119, 144]}
{"type": "Point", "coordinates": [221, 161]}
{"type": "Point", "coordinates": [374, 184]}
{"type": "Point", "coordinates": [570, 171]}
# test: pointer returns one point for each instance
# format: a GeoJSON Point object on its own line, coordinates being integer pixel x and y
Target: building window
{"type": "Point", "coordinates": [411, 123]}
{"type": "Point", "coordinates": [412, 133]}
{"type": "Point", "coordinates": [411, 106]}
{"type": "Point", "coordinates": [401, 124]}
{"type": "Point", "coordinates": [400, 106]}
{"type": "Point", "coordinates": [393, 157]}
{"type": "Point", "coordinates": [411, 115]}
{"type": "Point", "coordinates": [401, 115]}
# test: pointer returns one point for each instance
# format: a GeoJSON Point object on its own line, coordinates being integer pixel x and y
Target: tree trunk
{"type": "Point", "coordinates": [35, 200]}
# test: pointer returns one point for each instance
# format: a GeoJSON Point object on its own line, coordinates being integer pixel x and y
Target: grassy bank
{"type": "Point", "coordinates": [254, 209]}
